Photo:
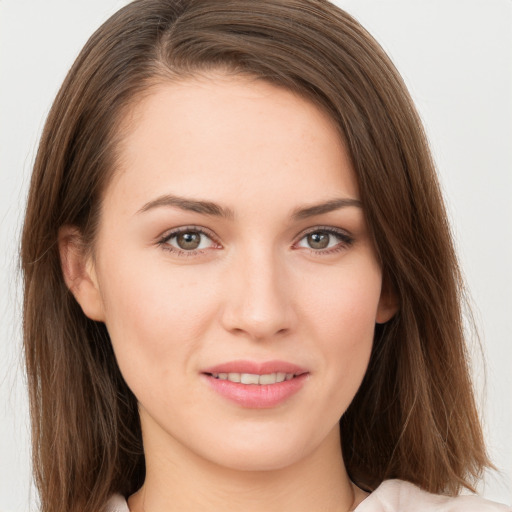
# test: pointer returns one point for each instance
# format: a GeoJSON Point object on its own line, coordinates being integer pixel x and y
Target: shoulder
{"type": "Point", "coordinates": [117, 504]}
{"type": "Point", "coordinates": [400, 496]}
{"type": "Point", "coordinates": [392, 496]}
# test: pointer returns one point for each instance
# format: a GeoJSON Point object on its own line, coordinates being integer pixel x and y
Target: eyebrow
{"type": "Point", "coordinates": [213, 209]}
{"type": "Point", "coordinates": [326, 207]}
{"type": "Point", "coordinates": [191, 205]}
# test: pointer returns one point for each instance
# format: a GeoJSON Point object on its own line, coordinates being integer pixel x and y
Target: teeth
{"type": "Point", "coordinates": [249, 378]}
{"type": "Point", "coordinates": [253, 378]}
{"type": "Point", "coordinates": [269, 378]}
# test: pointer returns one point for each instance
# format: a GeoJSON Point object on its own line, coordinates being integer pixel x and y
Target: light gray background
{"type": "Point", "coordinates": [456, 57]}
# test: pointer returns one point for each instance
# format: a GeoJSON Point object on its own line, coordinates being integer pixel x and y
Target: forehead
{"type": "Point", "coordinates": [222, 137]}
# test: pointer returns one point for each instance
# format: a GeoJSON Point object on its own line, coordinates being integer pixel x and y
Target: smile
{"type": "Point", "coordinates": [254, 378]}
{"type": "Point", "coordinates": [256, 385]}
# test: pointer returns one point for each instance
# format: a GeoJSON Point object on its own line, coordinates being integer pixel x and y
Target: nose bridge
{"type": "Point", "coordinates": [258, 301]}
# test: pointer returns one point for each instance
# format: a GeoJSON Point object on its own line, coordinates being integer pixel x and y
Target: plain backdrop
{"type": "Point", "coordinates": [456, 58]}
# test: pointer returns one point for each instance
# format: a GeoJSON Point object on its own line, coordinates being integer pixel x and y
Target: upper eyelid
{"type": "Point", "coordinates": [183, 229]}
{"type": "Point", "coordinates": [329, 229]}
{"type": "Point", "coordinates": [340, 232]}
{"type": "Point", "coordinates": [170, 233]}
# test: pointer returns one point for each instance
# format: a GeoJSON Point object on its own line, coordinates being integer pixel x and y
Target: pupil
{"type": "Point", "coordinates": [318, 240]}
{"type": "Point", "coordinates": [188, 241]}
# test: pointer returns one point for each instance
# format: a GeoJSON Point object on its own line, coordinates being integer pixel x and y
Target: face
{"type": "Point", "coordinates": [235, 274]}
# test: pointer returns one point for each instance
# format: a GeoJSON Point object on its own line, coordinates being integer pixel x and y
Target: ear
{"type": "Point", "coordinates": [79, 273]}
{"type": "Point", "coordinates": [388, 303]}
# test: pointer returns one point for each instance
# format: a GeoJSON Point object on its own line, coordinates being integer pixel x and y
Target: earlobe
{"type": "Point", "coordinates": [388, 304]}
{"type": "Point", "coordinates": [79, 273]}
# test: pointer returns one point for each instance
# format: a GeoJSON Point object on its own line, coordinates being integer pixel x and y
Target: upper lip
{"type": "Point", "coordinates": [256, 368]}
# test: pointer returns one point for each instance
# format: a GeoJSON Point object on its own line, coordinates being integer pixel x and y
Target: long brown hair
{"type": "Point", "coordinates": [414, 416]}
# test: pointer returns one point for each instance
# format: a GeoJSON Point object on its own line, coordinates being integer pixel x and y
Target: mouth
{"type": "Point", "coordinates": [254, 378]}
{"type": "Point", "coordinates": [256, 385]}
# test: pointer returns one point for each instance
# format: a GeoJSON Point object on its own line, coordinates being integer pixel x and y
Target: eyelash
{"type": "Point", "coordinates": [346, 240]}
{"type": "Point", "coordinates": [164, 241]}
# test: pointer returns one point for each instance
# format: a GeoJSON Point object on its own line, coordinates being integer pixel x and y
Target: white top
{"type": "Point", "coordinates": [394, 496]}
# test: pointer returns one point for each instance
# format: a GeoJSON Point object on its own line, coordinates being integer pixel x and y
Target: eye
{"type": "Point", "coordinates": [187, 240]}
{"type": "Point", "coordinates": [325, 240]}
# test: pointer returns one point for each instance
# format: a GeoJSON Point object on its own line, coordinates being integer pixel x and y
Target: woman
{"type": "Point", "coordinates": [240, 287]}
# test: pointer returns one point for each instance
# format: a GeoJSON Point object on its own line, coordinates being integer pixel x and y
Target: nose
{"type": "Point", "coordinates": [258, 301]}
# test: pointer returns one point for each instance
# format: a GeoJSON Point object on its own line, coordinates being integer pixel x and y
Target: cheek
{"type": "Point", "coordinates": [155, 317]}
{"type": "Point", "coordinates": [343, 319]}
{"type": "Point", "coordinates": [345, 302]}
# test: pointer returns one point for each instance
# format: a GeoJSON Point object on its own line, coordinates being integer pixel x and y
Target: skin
{"type": "Point", "coordinates": [255, 289]}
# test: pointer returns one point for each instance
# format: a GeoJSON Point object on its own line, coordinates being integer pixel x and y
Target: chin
{"type": "Point", "coordinates": [262, 460]}
{"type": "Point", "coordinates": [263, 451]}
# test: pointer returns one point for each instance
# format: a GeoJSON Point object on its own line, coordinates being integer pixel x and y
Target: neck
{"type": "Point", "coordinates": [177, 479]}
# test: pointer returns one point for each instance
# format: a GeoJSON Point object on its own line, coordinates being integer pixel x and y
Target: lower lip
{"type": "Point", "coordinates": [257, 396]}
